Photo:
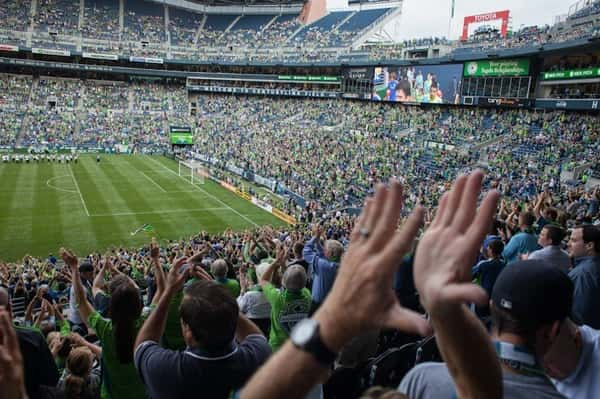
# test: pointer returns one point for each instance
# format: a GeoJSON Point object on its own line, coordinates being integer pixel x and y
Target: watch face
{"type": "Point", "coordinates": [303, 331]}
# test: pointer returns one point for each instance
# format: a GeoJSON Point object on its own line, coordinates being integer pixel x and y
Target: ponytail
{"type": "Point", "coordinates": [74, 386]}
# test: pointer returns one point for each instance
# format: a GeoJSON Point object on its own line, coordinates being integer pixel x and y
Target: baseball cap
{"type": "Point", "coordinates": [533, 290]}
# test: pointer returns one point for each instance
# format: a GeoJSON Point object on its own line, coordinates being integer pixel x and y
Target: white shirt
{"type": "Point", "coordinates": [584, 381]}
{"type": "Point", "coordinates": [254, 305]}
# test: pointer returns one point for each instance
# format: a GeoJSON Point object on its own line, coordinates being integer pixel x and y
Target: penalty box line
{"type": "Point", "coordinates": [205, 192]}
{"type": "Point", "coordinates": [161, 211]}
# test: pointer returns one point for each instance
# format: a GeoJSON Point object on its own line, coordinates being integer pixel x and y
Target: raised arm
{"type": "Point", "coordinates": [83, 306]}
{"type": "Point", "coordinates": [159, 273]}
{"type": "Point", "coordinates": [98, 285]}
{"type": "Point", "coordinates": [154, 326]}
{"type": "Point", "coordinates": [279, 261]}
{"type": "Point", "coordinates": [442, 273]}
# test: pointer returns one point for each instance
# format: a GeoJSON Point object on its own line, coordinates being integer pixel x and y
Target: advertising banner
{"type": "Point", "coordinates": [309, 78]}
{"type": "Point", "coordinates": [48, 51]}
{"type": "Point", "coordinates": [503, 16]}
{"type": "Point", "coordinates": [98, 56]}
{"type": "Point", "coordinates": [589, 105]}
{"type": "Point", "coordinates": [516, 67]}
{"type": "Point", "coordinates": [8, 47]}
{"type": "Point", "coordinates": [572, 74]}
{"type": "Point", "coordinates": [147, 60]}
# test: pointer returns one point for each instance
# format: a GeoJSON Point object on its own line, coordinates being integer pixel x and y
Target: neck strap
{"type": "Point", "coordinates": [517, 358]}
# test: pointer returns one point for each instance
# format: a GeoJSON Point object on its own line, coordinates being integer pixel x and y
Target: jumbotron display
{"type": "Point", "coordinates": [181, 135]}
{"type": "Point", "coordinates": [435, 84]}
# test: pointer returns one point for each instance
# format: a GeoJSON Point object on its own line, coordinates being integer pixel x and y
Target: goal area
{"type": "Point", "coordinates": [193, 171]}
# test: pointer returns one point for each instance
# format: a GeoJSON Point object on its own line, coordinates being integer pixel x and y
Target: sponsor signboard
{"type": "Point", "coordinates": [503, 16]}
{"type": "Point", "coordinates": [50, 51]}
{"type": "Point", "coordinates": [99, 56]}
{"type": "Point", "coordinates": [309, 78]}
{"type": "Point", "coordinates": [589, 105]}
{"type": "Point", "coordinates": [8, 47]}
{"type": "Point", "coordinates": [572, 74]}
{"type": "Point", "coordinates": [516, 67]}
{"type": "Point", "coordinates": [147, 60]}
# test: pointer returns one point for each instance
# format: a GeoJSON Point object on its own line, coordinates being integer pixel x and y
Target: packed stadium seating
{"type": "Point", "coordinates": [237, 36]}
{"type": "Point", "coordinates": [319, 161]}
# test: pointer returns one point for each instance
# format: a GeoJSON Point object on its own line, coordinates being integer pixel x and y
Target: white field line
{"type": "Point", "coordinates": [160, 211]}
{"type": "Point", "coordinates": [152, 180]}
{"type": "Point", "coordinates": [205, 192]}
{"type": "Point", "coordinates": [58, 188]}
{"type": "Point", "coordinates": [79, 191]}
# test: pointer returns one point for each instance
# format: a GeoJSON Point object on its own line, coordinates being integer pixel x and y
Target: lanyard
{"type": "Point", "coordinates": [517, 358]}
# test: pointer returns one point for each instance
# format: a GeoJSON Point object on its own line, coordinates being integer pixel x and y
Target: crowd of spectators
{"type": "Point", "coordinates": [222, 313]}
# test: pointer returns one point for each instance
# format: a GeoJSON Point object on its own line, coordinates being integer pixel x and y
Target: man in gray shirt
{"type": "Point", "coordinates": [550, 238]}
{"type": "Point", "coordinates": [521, 311]}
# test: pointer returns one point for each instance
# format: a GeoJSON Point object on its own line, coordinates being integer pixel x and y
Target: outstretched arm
{"type": "Point", "coordinates": [83, 306]}
{"type": "Point", "coordinates": [154, 326]}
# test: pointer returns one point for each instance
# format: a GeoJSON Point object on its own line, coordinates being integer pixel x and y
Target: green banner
{"type": "Point", "coordinates": [309, 78]}
{"type": "Point", "coordinates": [572, 74]}
{"type": "Point", "coordinates": [516, 67]}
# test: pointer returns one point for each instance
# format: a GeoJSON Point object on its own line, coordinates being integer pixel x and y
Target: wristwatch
{"type": "Point", "coordinates": [306, 337]}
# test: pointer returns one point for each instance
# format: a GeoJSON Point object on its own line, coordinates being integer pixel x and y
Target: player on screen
{"type": "Point", "coordinates": [404, 91]}
{"type": "Point", "coordinates": [392, 86]}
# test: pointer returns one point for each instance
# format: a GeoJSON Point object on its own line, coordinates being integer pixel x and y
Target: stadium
{"type": "Point", "coordinates": [297, 199]}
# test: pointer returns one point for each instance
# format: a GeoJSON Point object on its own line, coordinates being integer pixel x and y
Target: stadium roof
{"type": "Point", "coordinates": [247, 2]}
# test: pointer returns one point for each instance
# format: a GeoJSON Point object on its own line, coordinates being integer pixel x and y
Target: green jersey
{"type": "Point", "coordinates": [172, 337]}
{"type": "Point", "coordinates": [118, 380]}
{"type": "Point", "coordinates": [231, 285]}
{"type": "Point", "coordinates": [287, 309]}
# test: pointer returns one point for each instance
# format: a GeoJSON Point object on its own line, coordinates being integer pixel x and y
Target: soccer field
{"type": "Point", "coordinates": [92, 206]}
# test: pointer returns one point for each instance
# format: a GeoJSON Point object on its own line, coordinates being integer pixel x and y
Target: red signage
{"type": "Point", "coordinates": [487, 17]}
{"type": "Point", "coordinates": [7, 47]}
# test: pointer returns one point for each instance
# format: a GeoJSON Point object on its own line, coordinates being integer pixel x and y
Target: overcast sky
{"type": "Point", "coordinates": [425, 18]}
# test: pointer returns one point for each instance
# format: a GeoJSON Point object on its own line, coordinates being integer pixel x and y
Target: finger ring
{"type": "Point", "coordinates": [364, 232]}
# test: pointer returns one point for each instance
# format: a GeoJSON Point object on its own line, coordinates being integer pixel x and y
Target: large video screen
{"type": "Point", "coordinates": [434, 84]}
{"type": "Point", "coordinates": [182, 138]}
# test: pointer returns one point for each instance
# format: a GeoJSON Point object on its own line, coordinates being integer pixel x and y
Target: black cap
{"type": "Point", "coordinates": [533, 290]}
{"type": "Point", "coordinates": [85, 266]}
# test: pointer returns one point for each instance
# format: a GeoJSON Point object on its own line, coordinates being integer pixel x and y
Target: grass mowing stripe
{"type": "Point", "coordinates": [46, 225]}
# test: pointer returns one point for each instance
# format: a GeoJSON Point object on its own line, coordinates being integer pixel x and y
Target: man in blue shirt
{"type": "Point", "coordinates": [584, 248]}
{"type": "Point", "coordinates": [487, 271]}
{"type": "Point", "coordinates": [323, 265]}
{"type": "Point", "coordinates": [523, 242]}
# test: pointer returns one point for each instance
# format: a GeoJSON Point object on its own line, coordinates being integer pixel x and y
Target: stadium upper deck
{"type": "Point", "coordinates": [233, 33]}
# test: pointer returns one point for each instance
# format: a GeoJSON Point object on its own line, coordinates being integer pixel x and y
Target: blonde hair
{"type": "Point", "coordinates": [79, 364]}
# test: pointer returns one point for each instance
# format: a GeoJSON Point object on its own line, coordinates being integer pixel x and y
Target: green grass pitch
{"type": "Point", "coordinates": [92, 206]}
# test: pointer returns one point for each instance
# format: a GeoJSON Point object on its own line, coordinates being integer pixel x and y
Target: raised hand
{"type": "Point", "coordinates": [201, 274]}
{"type": "Point", "coordinates": [177, 276]}
{"type": "Point", "coordinates": [442, 269]}
{"type": "Point", "coordinates": [363, 283]}
{"type": "Point", "coordinates": [12, 377]}
{"type": "Point", "coordinates": [154, 250]}
{"type": "Point", "coordinates": [69, 258]}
